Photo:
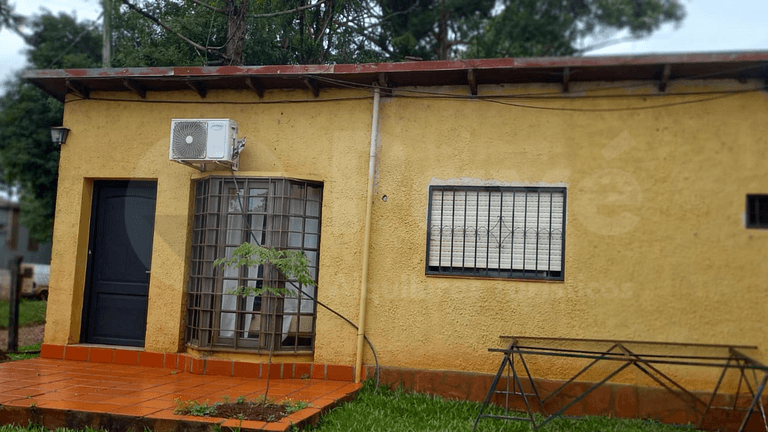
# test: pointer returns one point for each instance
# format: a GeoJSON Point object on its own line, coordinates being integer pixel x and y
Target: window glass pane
{"type": "Point", "coordinates": [233, 201]}
{"type": "Point", "coordinates": [297, 191]}
{"type": "Point", "coordinates": [210, 237]}
{"type": "Point", "coordinates": [313, 208]}
{"type": "Point", "coordinates": [294, 240]}
{"type": "Point", "coordinates": [228, 303]}
{"type": "Point", "coordinates": [213, 204]}
{"type": "Point", "coordinates": [297, 206]}
{"type": "Point", "coordinates": [310, 241]}
{"type": "Point", "coordinates": [278, 205]}
{"type": "Point", "coordinates": [258, 226]}
{"type": "Point", "coordinates": [257, 202]}
{"type": "Point", "coordinates": [234, 229]}
{"type": "Point", "coordinates": [229, 271]}
{"type": "Point", "coordinates": [311, 257]}
{"type": "Point", "coordinates": [314, 193]}
{"type": "Point", "coordinates": [294, 224]}
{"type": "Point", "coordinates": [311, 225]}
{"type": "Point", "coordinates": [212, 221]}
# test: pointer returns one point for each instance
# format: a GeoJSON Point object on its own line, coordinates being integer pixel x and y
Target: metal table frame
{"type": "Point", "coordinates": [620, 353]}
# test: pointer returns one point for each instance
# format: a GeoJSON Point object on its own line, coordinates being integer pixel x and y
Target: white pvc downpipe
{"type": "Point", "coordinates": [367, 236]}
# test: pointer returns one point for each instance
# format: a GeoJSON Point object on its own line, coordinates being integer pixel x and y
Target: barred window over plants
{"type": "Point", "coordinates": [272, 212]}
{"type": "Point", "coordinates": [506, 232]}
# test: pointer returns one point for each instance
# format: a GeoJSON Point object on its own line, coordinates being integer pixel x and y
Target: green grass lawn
{"type": "Point", "coordinates": [30, 312]}
{"type": "Point", "coordinates": [29, 348]}
{"type": "Point", "coordinates": [397, 410]}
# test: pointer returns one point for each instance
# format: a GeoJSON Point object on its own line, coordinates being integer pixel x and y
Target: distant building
{"type": "Point", "coordinates": [15, 239]}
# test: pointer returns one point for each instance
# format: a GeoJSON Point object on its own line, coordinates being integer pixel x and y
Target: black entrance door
{"type": "Point", "coordinates": [120, 250]}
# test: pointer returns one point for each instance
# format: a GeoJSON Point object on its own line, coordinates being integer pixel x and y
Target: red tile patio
{"type": "Point", "coordinates": [76, 394]}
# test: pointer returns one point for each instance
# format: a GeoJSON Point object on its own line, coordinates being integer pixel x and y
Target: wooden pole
{"type": "Point", "coordinates": [14, 289]}
{"type": "Point", "coordinates": [106, 50]}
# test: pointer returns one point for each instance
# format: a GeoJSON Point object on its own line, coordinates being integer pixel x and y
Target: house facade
{"type": "Point", "coordinates": [614, 197]}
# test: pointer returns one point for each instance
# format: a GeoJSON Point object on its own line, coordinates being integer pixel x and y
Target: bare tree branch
{"type": "Point", "coordinates": [381, 20]}
{"type": "Point", "coordinates": [325, 26]}
{"type": "Point", "coordinates": [168, 29]}
{"type": "Point", "coordinates": [284, 12]}
{"type": "Point", "coordinates": [215, 9]}
{"type": "Point", "coordinates": [606, 43]}
{"type": "Point", "coordinates": [366, 36]}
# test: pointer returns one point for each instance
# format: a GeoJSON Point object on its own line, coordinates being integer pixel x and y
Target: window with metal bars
{"type": "Point", "coordinates": [757, 211]}
{"type": "Point", "coordinates": [496, 232]}
{"type": "Point", "coordinates": [272, 212]}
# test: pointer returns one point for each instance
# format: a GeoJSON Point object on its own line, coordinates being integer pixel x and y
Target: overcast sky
{"type": "Point", "coordinates": [711, 25]}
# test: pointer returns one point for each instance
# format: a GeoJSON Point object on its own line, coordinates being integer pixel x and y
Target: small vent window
{"type": "Point", "coordinates": [757, 211]}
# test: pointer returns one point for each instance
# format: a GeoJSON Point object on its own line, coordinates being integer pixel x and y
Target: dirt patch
{"type": "Point", "coordinates": [28, 335]}
{"type": "Point", "coordinates": [241, 410]}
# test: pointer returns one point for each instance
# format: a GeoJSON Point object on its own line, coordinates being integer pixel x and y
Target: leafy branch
{"type": "Point", "coordinates": [292, 263]}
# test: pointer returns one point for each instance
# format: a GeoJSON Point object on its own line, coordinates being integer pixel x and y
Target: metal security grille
{"type": "Point", "coordinates": [279, 213]}
{"type": "Point", "coordinates": [507, 232]}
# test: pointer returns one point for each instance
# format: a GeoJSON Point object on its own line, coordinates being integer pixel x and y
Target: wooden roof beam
{"type": "Point", "coordinates": [566, 79]}
{"type": "Point", "coordinates": [472, 81]}
{"type": "Point", "coordinates": [665, 77]}
{"type": "Point", "coordinates": [255, 85]}
{"type": "Point", "coordinates": [384, 84]}
{"type": "Point", "coordinates": [313, 86]}
{"type": "Point", "coordinates": [79, 88]}
{"type": "Point", "coordinates": [198, 87]}
{"type": "Point", "coordinates": [135, 87]}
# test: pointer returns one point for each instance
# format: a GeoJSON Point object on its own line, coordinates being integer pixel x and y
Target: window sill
{"type": "Point", "coordinates": [514, 279]}
{"type": "Point", "coordinates": [251, 351]}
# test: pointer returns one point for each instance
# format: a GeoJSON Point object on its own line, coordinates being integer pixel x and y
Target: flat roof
{"type": "Point", "coordinates": [662, 68]}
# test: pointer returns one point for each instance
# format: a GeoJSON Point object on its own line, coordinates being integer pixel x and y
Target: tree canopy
{"type": "Point", "coordinates": [8, 18]}
{"type": "Point", "coordinates": [27, 156]}
{"type": "Point", "coordinates": [162, 32]}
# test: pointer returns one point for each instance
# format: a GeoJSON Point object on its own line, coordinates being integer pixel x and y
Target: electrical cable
{"type": "Point", "coordinates": [638, 108]}
{"type": "Point", "coordinates": [252, 235]}
{"type": "Point", "coordinates": [285, 101]}
{"type": "Point", "coordinates": [556, 93]}
{"type": "Point", "coordinates": [492, 99]}
{"type": "Point", "coordinates": [544, 96]}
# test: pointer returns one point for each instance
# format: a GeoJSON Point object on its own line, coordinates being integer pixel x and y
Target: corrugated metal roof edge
{"type": "Point", "coordinates": [419, 66]}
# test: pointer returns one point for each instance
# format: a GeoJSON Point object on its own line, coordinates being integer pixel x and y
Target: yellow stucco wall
{"type": "Point", "coordinates": [656, 246]}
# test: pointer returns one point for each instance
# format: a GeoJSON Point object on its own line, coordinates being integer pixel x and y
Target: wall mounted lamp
{"type": "Point", "coordinates": [59, 134]}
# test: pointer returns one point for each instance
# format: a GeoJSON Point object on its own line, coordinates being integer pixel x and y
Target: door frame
{"type": "Point", "coordinates": [84, 318]}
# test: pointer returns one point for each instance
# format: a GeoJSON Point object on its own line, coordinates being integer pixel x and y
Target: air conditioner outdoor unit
{"type": "Point", "coordinates": [197, 141]}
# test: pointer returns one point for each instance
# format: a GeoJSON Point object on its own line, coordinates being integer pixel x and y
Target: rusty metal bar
{"type": "Point", "coordinates": [533, 351]}
{"type": "Point", "coordinates": [492, 390]}
{"type": "Point", "coordinates": [573, 378]}
{"type": "Point", "coordinates": [714, 393]}
{"type": "Point", "coordinates": [755, 399]}
{"type": "Point", "coordinates": [681, 344]}
{"type": "Point", "coordinates": [644, 362]}
{"type": "Point", "coordinates": [665, 376]}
